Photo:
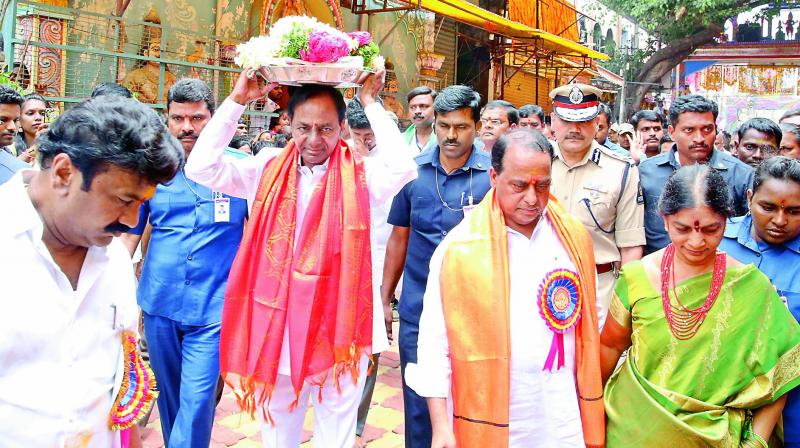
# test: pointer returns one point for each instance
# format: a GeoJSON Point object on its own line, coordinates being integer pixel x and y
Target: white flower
{"type": "Point", "coordinates": [286, 24]}
{"type": "Point", "coordinates": [257, 52]}
{"type": "Point", "coordinates": [351, 43]}
{"type": "Point", "coordinates": [267, 50]}
{"type": "Point", "coordinates": [378, 63]}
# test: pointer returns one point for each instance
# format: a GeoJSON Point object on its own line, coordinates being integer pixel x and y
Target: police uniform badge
{"type": "Point", "coordinates": [576, 96]}
{"type": "Point", "coordinates": [640, 195]}
{"type": "Point", "coordinates": [596, 156]}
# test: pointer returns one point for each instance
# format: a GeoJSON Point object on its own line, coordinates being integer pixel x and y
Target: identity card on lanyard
{"type": "Point", "coordinates": [469, 207]}
{"type": "Point", "coordinates": [222, 208]}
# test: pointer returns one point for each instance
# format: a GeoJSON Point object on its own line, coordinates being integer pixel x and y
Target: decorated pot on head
{"type": "Point", "coordinates": [303, 50]}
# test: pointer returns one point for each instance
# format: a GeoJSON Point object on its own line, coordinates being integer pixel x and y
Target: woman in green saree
{"type": "Point", "coordinates": [713, 350]}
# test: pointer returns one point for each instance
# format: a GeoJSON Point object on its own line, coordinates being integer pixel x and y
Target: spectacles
{"type": "Point", "coordinates": [766, 149]}
{"type": "Point", "coordinates": [494, 122]}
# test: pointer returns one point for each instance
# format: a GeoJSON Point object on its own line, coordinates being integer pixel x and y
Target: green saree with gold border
{"type": "Point", "coordinates": [699, 392]}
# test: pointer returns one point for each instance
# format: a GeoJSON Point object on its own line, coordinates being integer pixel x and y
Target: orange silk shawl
{"type": "Point", "coordinates": [320, 285]}
{"type": "Point", "coordinates": [475, 292]}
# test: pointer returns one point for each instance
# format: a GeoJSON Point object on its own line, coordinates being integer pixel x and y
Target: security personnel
{"type": "Point", "coordinates": [693, 127]}
{"type": "Point", "coordinates": [596, 185]}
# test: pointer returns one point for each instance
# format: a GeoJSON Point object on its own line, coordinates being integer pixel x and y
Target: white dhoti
{"type": "Point", "coordinates": [334, 415]}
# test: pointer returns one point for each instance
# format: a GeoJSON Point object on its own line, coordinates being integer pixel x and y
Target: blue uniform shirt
{"type": "Point", "coordinates": [9, 165]}
{"type": "Point", "coordinates": [654, 173]}
{"type": "Point", "coordinates": [615, 148]}
{"type": "Point", "coordinates": [781, 263]}
{"type": "Point", "coordinates": [419, 205]}
{"type": "Point", "coordinates": [189, 256]}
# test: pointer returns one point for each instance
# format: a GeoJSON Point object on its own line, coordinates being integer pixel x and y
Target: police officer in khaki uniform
{"type": "Point", "coordinates": [596, 185]}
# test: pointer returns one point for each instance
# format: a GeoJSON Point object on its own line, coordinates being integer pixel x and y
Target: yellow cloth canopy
{"type": "Point", "coordinates": [470, 14]}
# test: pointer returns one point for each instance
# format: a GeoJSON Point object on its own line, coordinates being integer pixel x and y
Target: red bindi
{"type": "Point", "coordinates": [697, 226]}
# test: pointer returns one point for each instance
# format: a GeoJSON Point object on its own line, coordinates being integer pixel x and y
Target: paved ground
{"type": "Point", "coordinates": [235, 429]}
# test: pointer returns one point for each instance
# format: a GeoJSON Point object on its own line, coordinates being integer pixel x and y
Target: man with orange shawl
{"type": "Point", "coordinates": [298, 312]}
{"type": "Point", "coordinates": [508, 335]}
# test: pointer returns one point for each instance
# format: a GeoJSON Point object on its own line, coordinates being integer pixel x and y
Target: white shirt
{"type": "Point", "coordinates": [387, 171]}
{"type": "Point", "coordinates": [379, 237]}
{"type": "Point", "coordinates": [60, 349]}
{"type": "Point", "coordinates": [543, 407]}
{"type": "Point", "coordinates": [416, 148]}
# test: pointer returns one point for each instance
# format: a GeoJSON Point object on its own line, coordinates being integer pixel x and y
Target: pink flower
{"type": "Point", "coordinates": [362, 37]}
{"type": "Point", "coordinates": [324, 47]}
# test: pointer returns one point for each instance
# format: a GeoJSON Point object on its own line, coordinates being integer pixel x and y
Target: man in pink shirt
{"type": "Point", "coordinates": [299, 306]}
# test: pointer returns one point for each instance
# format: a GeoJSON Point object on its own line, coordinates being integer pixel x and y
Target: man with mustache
{"type": "Point", "coordinates": [485, 339]}
{"type": "Point", "coordinates": [194, 236]}
{"type": "Point", "coordinates": [452, 179]}
{"type": "Point", "coordinates": [298, 321]}
{"type": "Point", "coordinates": [769, 237]}
{"type": "Point", "coordinates": [693, 127]}
{"type": "Point", "coordinates": [278, 98]}
{"type": "Point", "coordinates": [420, 108]}
{"type": "Point", "coordinates": [649, 130]}
{"type": "Point", "coordinates": [69, 317]}
{"type": "Point", "coordinates": [497, 117]}
{"type": "Point", "coordinates": [10, 112]}
{"type": "Point", "coordinates": [596, 185]}
{"type": "Point", "coordinates": [368, 135]}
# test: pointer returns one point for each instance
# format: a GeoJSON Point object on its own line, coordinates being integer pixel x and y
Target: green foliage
{"type": "Point", "coordinates": [6, 79]}
{"type": "Point", "coordinates": [368, 52]}
{"type": "Point", "coordinates": [615, 64]}
{"type": "Point", "coordinates": [627, 63]}
{"type": "Point", "coordinates": [610, 48]}
{"type": "Point", "coordinates": [670, 19]}
{"type": "Point", "coordinates": [295, 40]}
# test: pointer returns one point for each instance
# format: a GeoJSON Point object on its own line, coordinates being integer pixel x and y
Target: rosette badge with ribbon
{"type": "Point", "coordinates": [560, 303]}
{"type": "Point", "coordinates": [137, 393]}
{"type": "Point", "coordinates": [302, 50]}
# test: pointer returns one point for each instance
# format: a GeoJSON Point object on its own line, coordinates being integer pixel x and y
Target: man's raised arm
{"type": "Point", "coordinates": [206, 164]}
{"type": "Point", "coordinates": [391, 163]}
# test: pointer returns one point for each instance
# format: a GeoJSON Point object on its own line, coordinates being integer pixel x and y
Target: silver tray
{"type": "Point", "coordinates": [336, 75]}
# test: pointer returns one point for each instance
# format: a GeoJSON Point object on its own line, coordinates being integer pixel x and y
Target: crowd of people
{"type": "Point", "coordinates": [560, 280]}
